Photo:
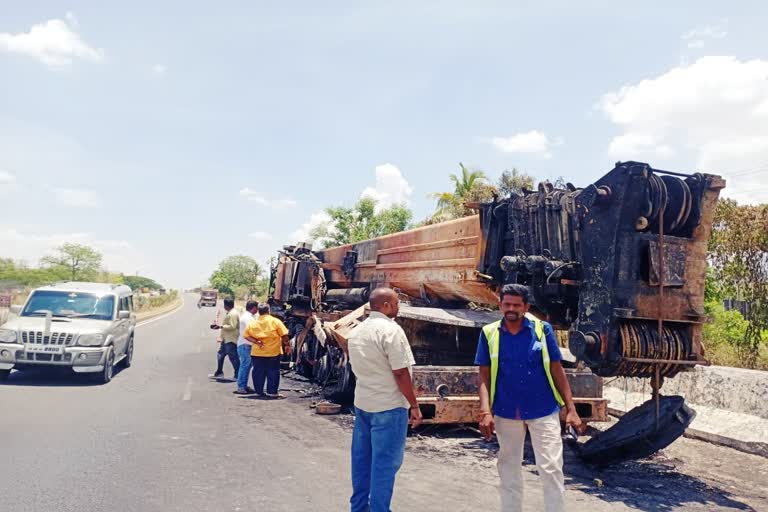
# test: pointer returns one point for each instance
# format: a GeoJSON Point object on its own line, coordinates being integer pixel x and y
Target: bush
{"type": "Point", "coordinates": [725, 339]}
{"type": "Point", "coordinates": [145, 303]}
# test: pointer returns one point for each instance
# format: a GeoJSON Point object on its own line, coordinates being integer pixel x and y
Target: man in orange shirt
{"type": "Point", "coordinates": [269, 337]}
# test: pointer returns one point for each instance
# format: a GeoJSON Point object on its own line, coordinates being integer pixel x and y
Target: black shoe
{"type": "Point", "coordinates": [216, 375]}
{"type": "Point", "coordinates": [241, 392]}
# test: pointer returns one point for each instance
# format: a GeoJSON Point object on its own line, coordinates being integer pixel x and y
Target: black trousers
{"type": "Point", "coordinates": [266, 369]}
{"type": "Point", "coordinates": [227, 350]}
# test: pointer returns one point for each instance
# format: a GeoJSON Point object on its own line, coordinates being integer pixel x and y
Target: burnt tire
{"type": "Point", "coordinates": [635, 435]}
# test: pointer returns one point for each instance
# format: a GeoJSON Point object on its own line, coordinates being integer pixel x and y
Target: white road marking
{"type": "Point", "coordinates": [163, 316]}
{"type": "Point", "coordinates": [188, 390]}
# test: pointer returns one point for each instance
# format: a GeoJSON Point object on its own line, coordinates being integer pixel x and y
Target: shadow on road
{"type": "Point", "coordinates": [53, 377]}
{"type": "Point", "coordinates": [659, 483]}
{"type": "Point", "coordinates": [656, 483]}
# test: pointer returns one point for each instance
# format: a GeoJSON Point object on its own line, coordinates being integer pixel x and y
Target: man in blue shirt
{"type": "Point", "coordinates": [523, 385]}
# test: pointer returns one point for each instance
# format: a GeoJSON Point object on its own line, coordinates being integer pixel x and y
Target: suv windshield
{"type": "Point", "coordinates": [70, 305]}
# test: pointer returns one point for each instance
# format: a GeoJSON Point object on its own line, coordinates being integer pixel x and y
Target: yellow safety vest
{"type": "Point", "coordinates": [491, 332]}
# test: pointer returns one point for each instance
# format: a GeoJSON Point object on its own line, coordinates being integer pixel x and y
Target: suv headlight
{"type": "Point", "coordinates": [90, 340]}
{"type": "Point", "coordinates": [8, 336]}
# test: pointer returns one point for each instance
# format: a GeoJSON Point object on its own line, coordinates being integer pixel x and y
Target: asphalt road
{"type": "Point", "coordinates": [163, 437]}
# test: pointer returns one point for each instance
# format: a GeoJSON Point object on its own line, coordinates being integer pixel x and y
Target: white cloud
{"type": "Point", "coordinates": [696, 37]}
{"type": "Point", "coordinates": [533, 142]}
{"type": "Point", "coordinates": [118, 255]}
{"type": "Point", "coordinates": [7, 178]}
{"type": "Point", "coordinates": [78, 198]}
{"type": "Point", "coordinates": [54, 43]}
{"type": "Point", "coordinates": [277, 204]}
{"type": "Point", "coordinates": [718, 31]}
{"type": "Point", "coordinates": [713, 112]}
{"type": "Point", "coordinates": [633, 143]}
{"type": "Point", "coordinates": [391, 187]}
{"type": "Point", "coordinates": [159, 69]}
{"type": "Point", "coordinates": [303, 234]}
{"type": "Point", "coordinates": [260, 235]}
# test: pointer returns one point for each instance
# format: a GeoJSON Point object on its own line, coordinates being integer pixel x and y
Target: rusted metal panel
{"type": "Point", "coordinates": [457, 410]}
{"type": "Point", "coordinates": [469, 241]}
{"type": "Point", "coordinates": [464, 381]}
{"type": "Point", "coordinates": [456, 263]}
{"type": "Point", "coordinates": [437, 262]}
{"type": "Point", "coordinates": [445, 380]}
{"type": "Point", "coordinates": [590, 410]}
{"type": "Point", "coordinates": [458, 317]}
{"type": "Point", "coordinates": [584, 384]}
{"type": "Point", "coordinates": [675, 255]}
{"type": "Point", "coordinates": [450, 410]}
{"type": "Point", "coordinates": [466, 409]}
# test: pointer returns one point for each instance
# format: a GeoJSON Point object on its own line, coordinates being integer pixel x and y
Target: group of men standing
{"type": "Point", "coordinates": [522, 387]}
{"type": "Point", "coordinates": [254, 341]}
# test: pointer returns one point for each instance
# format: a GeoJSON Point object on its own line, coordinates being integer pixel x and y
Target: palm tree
{"type": "Point", "coordinates": [451, 204]}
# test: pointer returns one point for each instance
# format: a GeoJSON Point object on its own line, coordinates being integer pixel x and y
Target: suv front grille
{"type": "Point", "coordinates": [56, 338]}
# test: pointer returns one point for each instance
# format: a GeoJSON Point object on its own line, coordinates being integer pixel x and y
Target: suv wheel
{"type": "Point", "coordinates": [109, 367]}
{"type": "Point", "coordinates": [4, 374]}
{"type": "Point", "coordinates": [128, 354]}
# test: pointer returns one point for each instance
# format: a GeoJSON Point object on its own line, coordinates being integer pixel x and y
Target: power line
{"type": "Point", "coordinates": [746, 172]}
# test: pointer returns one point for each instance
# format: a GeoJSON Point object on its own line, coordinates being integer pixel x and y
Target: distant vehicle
{"type": "Point", "coordinates": [88, 327]}
{"type": "Point", "coordinates": [208, 298]}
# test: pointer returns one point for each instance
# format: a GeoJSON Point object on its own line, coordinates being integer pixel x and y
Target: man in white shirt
{"type": "Point", "coordinates": [385, 401]}
{"type": "Point", "coordinates": [244, 348]}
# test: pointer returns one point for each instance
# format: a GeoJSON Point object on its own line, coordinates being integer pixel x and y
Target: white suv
{"type": "Point", "coordinates": [85, 326]}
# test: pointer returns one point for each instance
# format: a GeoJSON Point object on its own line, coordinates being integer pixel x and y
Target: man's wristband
{"type": "Point", "coordinates": [484, 414]}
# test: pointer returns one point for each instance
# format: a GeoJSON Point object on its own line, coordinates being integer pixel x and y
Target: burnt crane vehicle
{"type": "Point", "coordinates": [617, 268]}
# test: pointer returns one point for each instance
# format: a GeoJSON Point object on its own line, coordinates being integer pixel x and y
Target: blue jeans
{"type": "Point", "coordinates": [244, 353]}
{"type": "Point", "coordinates": [227, 350]}
{"type": "Point", "coordinates": [266, 369]}
{"type": "Point", "coordinates": [378, 445]}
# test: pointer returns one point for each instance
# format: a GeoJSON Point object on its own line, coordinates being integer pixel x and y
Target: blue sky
{"type": "Point", "coordinates": [171, 136]}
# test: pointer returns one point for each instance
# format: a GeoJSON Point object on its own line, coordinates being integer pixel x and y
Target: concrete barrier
{"type": "Point", "coordinates": [732, 389]}
{"type": "Point", "coordinates": [731, 404]}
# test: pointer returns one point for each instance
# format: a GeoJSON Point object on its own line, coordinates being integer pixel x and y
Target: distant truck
{"type": "Point", "coordinates": [208, 298]}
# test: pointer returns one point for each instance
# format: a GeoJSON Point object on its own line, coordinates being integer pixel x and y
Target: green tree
{"type": "Point", "coordinates": [361, 222]}
{"type": "Point", "coordinates": [7, 265]}
{"type": "Point", "coordinates": [80, 261]}
{"type": "Point", "coordinates": [469, 186]}
{"type": "Point", "coordinates": [739, 259]}
{"type": "Point", "coordinates": [14, 275]}
{"type": "Point", "coordinates": [237, 274]}
{"type": "Point", "coordinates": [514, 182]}
{"type": "Point", "coordinates": [138, 282]}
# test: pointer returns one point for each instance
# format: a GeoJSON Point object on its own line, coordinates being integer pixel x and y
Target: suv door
{"type": "Point", "coordinates": [122, 327]}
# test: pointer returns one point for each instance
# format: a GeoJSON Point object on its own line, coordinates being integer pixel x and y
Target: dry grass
{"type": "Point", "coordinates": [726, 355]}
